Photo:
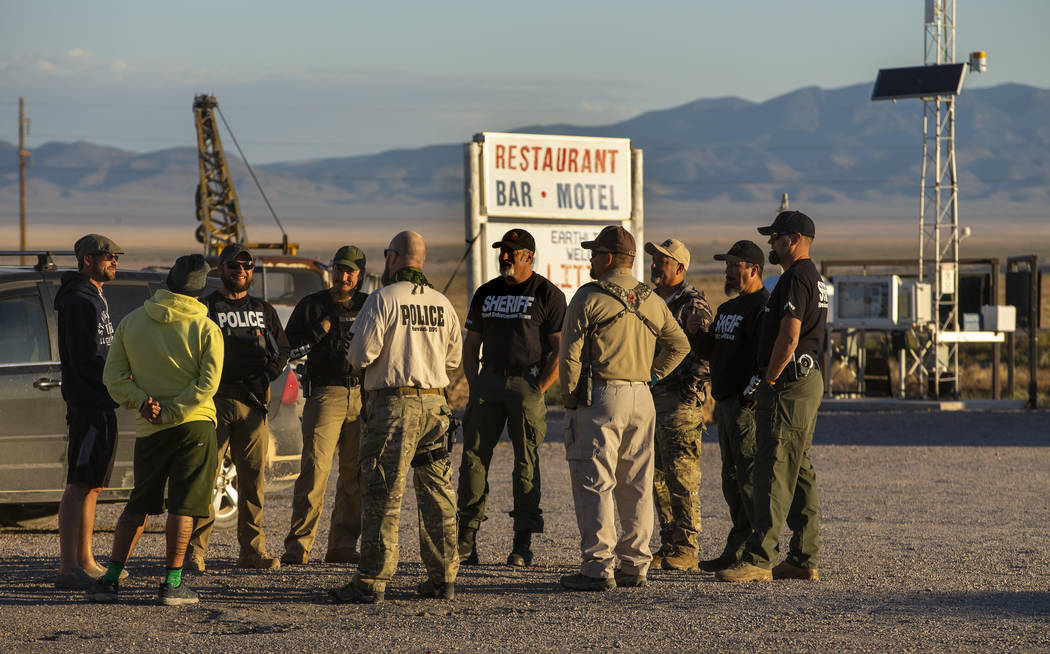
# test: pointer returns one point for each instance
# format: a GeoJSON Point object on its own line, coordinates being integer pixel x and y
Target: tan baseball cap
{"type": "Point", "coordinates": [673, 248]}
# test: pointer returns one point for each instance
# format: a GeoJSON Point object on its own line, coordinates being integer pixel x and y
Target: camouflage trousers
{"type": "Point", "coordinates": [399, 427]}
{"type": "Point", "coordinates": [676, 474]}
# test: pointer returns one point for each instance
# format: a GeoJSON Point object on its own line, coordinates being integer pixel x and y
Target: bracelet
{"type": "Point", "coordinates": [771, 382]}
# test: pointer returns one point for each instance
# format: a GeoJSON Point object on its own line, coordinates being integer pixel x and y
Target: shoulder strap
{"type": "Point", "coordinates": [630, 299]}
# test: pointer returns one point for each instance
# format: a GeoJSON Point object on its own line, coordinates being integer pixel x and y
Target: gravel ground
{"type": "Point", "coordinates": [935, 537]}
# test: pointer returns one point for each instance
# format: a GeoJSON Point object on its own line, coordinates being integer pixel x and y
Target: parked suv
{"type": "Point", "coordinates": [33, 435]}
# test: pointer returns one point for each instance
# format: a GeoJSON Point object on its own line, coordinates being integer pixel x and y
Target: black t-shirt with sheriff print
{"type": "Point", "coordinates": [800, 292]}
{"type": "Point", "coordinates": [515, 320]}
{"type": "Point", "coordinates": [734, 343]}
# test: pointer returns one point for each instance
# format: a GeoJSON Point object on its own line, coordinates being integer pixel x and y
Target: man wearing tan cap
{"type": "Point", "coordinates": [679, 424]}
{"type": "Point", "coordinates": [606, 361]}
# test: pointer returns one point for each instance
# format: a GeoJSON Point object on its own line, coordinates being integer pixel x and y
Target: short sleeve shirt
{"type": "Point", "coordinates": [515, 319]}
{"type": "Point", "coordinates": [801, 293]}
{"type": "Point", "coordinates": [734, 336]}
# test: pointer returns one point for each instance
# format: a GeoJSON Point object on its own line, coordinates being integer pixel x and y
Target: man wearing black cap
{"type": "Point", "coordinates": [166, 362]}
{"type": "Point", "coordinates": [84, 337]}
{"type": "Point", "coordinates": [606, 362]}
{"type": "Point", "coordinates": [517, 317]}
{"type": "Point", "coordinates": [731, 342]}
{"type": "Point", "coordinates": [787, 392]}
{"type": "Point", "coordinates": [319, 329]}
{"type": "Point", "coordinates": [256, 352]}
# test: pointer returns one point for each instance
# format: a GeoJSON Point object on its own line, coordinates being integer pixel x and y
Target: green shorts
{"type": "Point", "coordinates": [185, 458]}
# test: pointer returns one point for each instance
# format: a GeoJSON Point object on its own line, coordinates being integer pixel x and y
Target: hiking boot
{"type": "Point", "coordinates": [294, 558]}
{"type": "Point", "coordinates": [658, 556]}
{"type": "Point", "coordinates": [354, 594]}
{"type": "Point", "coordinates": [627, 580]}
{"type": "Point", "coordinates": [680, 558]}
{"type": "Point", "coordinates": [75, 579]}
{"type": "Point", "coordinates": [104, 592]}
{"type": "Point", "coordinates": [257, 561]}
{"type": "Point", "coordinates": [342, 555]}
{"type": "Point", "coordinates": [445, 590]}
{"type": "Point", "coordinates": [714, 565]}
{"type": "Point", "coordinates": [468, 549]}
{"type": "Point", "coordinates": [785, 570]}
{"type": "Point", "coordinates": [744, 571]}
{"type": "Point", "coordinates": [195, 562]}
{"type": "Point", "coordinates": [177, 595]}
{"type": "Point", "coordinates": [521, 553]}
{"type": "Point", "coordinates": [580, 581]}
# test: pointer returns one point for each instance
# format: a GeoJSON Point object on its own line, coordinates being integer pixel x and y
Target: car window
{"type": "Point", "coordinates": [289, 285]}
{"type": "Point", "coordinates": [23, 328]}
{"type": "Point", "coordinates": [124, 298]}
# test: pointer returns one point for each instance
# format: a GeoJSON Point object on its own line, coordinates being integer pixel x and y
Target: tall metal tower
{"type": "Point", "coordinates": [939, 208]}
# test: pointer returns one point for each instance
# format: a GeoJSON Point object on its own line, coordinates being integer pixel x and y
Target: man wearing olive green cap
{"type": "Point", "coordinates": [319, 330]}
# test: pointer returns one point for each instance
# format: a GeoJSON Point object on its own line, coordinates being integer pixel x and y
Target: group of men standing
{"type": "Point", "coordinates": [636, 366]}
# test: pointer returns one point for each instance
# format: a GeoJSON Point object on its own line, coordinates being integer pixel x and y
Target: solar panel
{"type": "Point", "coordinates": [918, 82]}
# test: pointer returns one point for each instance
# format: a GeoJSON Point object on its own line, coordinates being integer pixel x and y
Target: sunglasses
{"type": "Point", "coordinates": [106, 256]}
{"type": "Point", "coordinates": [387, 252]}
{"type": "Point", "coordinates": [242, 265]}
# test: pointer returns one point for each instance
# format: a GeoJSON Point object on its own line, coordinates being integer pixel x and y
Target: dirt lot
{"type": "Point", "coordinates": [935, 537]}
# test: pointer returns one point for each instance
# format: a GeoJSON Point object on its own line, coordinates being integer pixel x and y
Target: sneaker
{"type": "Point", "coordinates": [580, 581]}
{"type": "Point", "coordinates": [354, 594]}
{"type": "Point", "coordinates": [521, 554]}
{"type": "Point", "coordinates": [680, 558]}
{"type": "Point", "coordinates": [626, 580]}
{"type": "Point", "coordinates": [177, 595]}
{"type": "Point", "coordinates": [342, 555]}
{"type": "Point", "coordinates": [714, 565]}
{"type": "Point", "coordinates": [257, 562]}
{"type": "Point", "coordinates": [437, 590]}
{"type": "Point", "coordinates": [785, 570]}
{"type": "Point", "coordinates": [75, 579]}
{"type": "Point", "coordinates": [744, 571]}
{"type": "Point", "coordinates": [294, 558]}
{"type": "Point", "coordinates": [104, 592]}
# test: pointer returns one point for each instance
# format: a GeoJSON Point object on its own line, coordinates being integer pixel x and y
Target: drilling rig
{"type": "Point", "coordinates": [218, 209]}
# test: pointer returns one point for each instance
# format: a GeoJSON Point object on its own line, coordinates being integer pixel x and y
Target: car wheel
{"type": "Point", "coordinates": [224, 497]}
{"type": "Point", "coordinates": [29, 516]}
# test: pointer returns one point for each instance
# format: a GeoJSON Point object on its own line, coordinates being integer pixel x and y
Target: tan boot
{"type": "Point", "coordinates": [258, 561]}
{"type": "Point", "coordinates": [658, 557]}
{"type": "Point", "coordinates": [744, 571]}
{"type": "Point", "coordinates": [680, 558]}
{"type": "Point", "coordinates": [785, 570]}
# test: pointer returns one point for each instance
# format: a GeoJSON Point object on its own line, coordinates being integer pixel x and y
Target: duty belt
{"type": "Point", "coordinates": [511, 371]}
{"type": "Point", "coordinates": [407, 390]}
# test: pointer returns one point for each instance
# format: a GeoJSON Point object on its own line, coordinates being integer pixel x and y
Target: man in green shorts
{"type": "Point", "coordinates": [166, 362]}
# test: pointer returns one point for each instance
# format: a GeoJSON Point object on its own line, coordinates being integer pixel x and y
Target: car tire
{"type": "Point", "coordinates": [224, 496]}
{"type": "Point", "coordinates": [29, 516]}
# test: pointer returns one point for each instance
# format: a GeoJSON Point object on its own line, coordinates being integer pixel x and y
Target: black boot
{"type": "Point", "coordinates": [468, 551]}
{"type": "Point", "coordinates": [521, 554]}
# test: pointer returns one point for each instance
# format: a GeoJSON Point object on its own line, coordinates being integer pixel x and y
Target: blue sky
{"type": "Point", "coordinates": [320, 79]}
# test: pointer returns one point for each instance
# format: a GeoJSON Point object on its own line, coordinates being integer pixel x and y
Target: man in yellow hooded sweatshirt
{"type": "Point", "coordinates": [165, 362]}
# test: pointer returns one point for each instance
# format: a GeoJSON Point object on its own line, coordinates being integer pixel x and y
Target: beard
{"type": "Point", "coordinates": [234, 285]}
{"type": "Point", "coordinates": [506, 270]}
{"type": "Point", "coordinates": [103, 272]}
{"type": "Point", "coordinates": [774, 258]}
{"type": "Point", "coordinates": [593, 273]}
{"type": "Point", "coordinates": [732, 287]}
{"type": "Point", "coordinates": [656, 279]}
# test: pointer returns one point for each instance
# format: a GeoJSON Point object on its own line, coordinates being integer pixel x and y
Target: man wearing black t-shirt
{"type": "Point", "coordinates": [787, 394]}
{"type": "Point", "coordinates": [517, 317]}
{"type": "Point", "coordinates": [731, 343]}
{"type": "Point", "coordinates": [256, 352]}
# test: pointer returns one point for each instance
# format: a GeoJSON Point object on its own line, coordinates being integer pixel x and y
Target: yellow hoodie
{"type": "Point", "coordinates": [167, 349]}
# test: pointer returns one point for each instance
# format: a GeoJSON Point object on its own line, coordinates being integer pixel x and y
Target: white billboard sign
{"type": "Point", "coordinates": [532, 175]}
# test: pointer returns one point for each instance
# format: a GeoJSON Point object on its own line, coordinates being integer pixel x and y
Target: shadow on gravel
{"type": "Point", "coordinates": [977, 604]}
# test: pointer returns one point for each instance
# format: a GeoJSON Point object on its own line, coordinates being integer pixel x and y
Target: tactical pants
{"type": "Point", "coordinates": [242, 431]}
{"type": "Point", "coordinates": [330, 427]}
{"type": "Point", "coordinates": [736, 439]}
{"type": "Point", "coordinates": [785, 482]}
{"type": "Point", "coordinates": [399, 427]}
{"type": "Point", "coordinates": [496, 401]}
{"type": "Point", "coordinates": [609, 447]}
{"type": "Point", "coordinates": [676, 469]}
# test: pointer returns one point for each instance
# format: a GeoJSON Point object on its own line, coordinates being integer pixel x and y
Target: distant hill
{"type": "Point", "coordinates": [823, 146]}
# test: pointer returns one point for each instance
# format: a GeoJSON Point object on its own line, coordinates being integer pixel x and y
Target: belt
{"type": "Point", "coordinates": [347, 381]}
{"type": "Point", "coordinates": [511, 371]}
{"type": "Point", "coordinates": [407, 390]}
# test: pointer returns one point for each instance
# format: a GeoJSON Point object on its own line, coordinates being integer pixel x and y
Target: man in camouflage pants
{"type": "Point", "coordinates": [407, 338]}
{"type": "Point", "coordinates": [678, 399]}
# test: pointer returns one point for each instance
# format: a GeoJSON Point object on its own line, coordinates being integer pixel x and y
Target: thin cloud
{"type": "Point", "coordinates": [44, 66]}
{"type": "Point", "coordinates": [79, 53]}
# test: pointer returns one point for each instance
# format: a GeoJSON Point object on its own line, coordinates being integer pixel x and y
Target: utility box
{"type": "Point", "coordinates": [999, 318]}
{"type": "Point", "coordinates": [880, 302]}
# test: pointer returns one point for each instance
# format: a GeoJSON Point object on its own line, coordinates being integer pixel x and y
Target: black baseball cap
{"type": "Point", "coordinates": [614, 239]}
{"type": "Point", "coordinates": [746, 251]}
{"type": "Point", "coordinates": [516, 239]}
{"type": "Point", "coordinates": [235, 252]}
{"type": "Point", "coordinates": [790, 222]}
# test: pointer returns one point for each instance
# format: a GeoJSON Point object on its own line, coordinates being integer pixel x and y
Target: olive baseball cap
{"type": "Point", "coordinates": [95, 244]}
{"type": "Point", "coordinates": [746, 251]}
{"type": "Point", "coordinates": [790, 222]}
{"type": "Point", "coordinates": [516, 239]}
{"type": "Point", "coordinates": [350, 256]}
{"type": "Point", "coordinates": [614, 239]}
{"type": "Point", "coordinates": [235, 251]}
{"type": "Point", "coordinates": [672, 248]}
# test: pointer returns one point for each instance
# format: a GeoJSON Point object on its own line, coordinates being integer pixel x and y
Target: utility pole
{"type": "Point", "coordinates": [23, 160]}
